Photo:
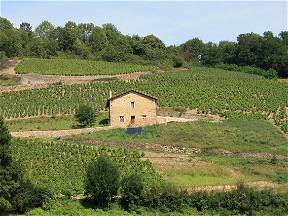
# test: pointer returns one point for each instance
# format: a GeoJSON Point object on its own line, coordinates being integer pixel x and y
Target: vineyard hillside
{"type": "Point", "coordinates": [78, 67]}
{"type": "Point", "coordinates": [232, 94]}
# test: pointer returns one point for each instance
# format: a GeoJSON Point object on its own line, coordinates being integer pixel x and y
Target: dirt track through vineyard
{"type": "Point", "coordinates": [33, 81]}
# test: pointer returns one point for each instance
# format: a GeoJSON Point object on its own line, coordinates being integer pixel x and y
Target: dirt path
{"type": "Point", "coordinates": [255, 184]}
{"type": "Point", "coordinates": [63, 133]}
{"type": "Point", "coordinates": [57, 133]}
{"type": "Point", "coordinates": [9, 67]}
{"type": "Point", "coordinates": [32, 81]}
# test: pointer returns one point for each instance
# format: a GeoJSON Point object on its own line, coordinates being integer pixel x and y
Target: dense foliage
{"type": "Point", "coordinates": [16, 193]}
{"type": "Point", "coordinates": [232, 94]}
{"type": "Point", "coordinates": [103, 180]}
{"type": "Point", "coordinates": [241, 200]}
{"type": "Point", "coordinates": [61, 167]}
{"type": "Point", "coordinates": [85, 116]}
{"type": "Point", "coordinates": [132, 191]}
{"type": "Point", "coordinates": [85, 40]}
{"type": "Point", "coordinates": [78, 67]}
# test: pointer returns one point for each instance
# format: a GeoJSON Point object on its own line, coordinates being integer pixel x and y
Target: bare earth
{"type": "Point", "coordinates": [63, 133]}
{"type": "Point", "coordinates": [33, 81]}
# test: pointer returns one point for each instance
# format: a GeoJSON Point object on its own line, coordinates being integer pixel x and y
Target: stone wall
{"type": "Point", "coordinates": [144, 110]}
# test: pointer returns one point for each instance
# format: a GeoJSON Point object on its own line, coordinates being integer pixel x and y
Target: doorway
{"type": "Point", "coordinates": [132, 120]}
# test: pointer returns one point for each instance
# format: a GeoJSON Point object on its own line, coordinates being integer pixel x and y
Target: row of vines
{"type": "Point", "coordinates": [61, 167]}
{"type": "Point", "coordinates": [209, 90]}
{"type": "Point", "coordinates": [78, 67]}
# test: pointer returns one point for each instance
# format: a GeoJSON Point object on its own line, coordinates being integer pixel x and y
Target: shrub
{"type": "Point", "coordinates": [102, 181]}
{"type": "Point", "coordinates": [165, 198]}
{"type": "Point", "coordinates": [243, 200]}
{"type": "Point", "coordinates": [85, 116]}
{"type": "Point", "coordinates": [178, 61]}
{"type": "Point", "coordinates": [132, 191]}
{"type": "Point", "coordinates": [28, 197]}
{"type": "Point", "coordinates": [269, 74]}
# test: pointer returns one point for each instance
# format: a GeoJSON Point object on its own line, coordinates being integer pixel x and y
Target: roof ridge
{"type": "Point", "coordinates": [132, 90]}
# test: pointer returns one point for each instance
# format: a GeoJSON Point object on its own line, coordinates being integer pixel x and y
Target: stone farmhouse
{"type": "Point", "coordinates": [132, 108]}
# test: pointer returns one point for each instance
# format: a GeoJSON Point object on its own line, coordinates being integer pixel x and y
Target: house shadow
{"type": "Point", "coordinates": [104, 122]}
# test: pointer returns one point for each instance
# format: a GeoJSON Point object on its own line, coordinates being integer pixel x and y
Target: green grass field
{"type": "Point", "coordinates": [76, 67]}
{"type": "Point", "coordinates": [232, 135]}
{"type": "Point", "coordinates": [52, 123]}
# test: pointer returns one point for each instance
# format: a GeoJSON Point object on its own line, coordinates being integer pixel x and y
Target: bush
{"type": "Point", "coordinates": [28, 197]}
{"type": "Point", "coordinates": [132, 191]}
{"type": "Point", "coordinates": [178, 61]}
{"type": "Point", "coordinates": [243, 200]}
{"type": "Point", "coordinates": [165, 198]}
{"type": "Point", "coordinates": [102, 181]}
{"type": "Point", "coordinates": [85, 116]}
{"type": "Point", "coordinates": [269, 74]}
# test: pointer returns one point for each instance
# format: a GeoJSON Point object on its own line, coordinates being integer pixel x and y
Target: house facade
{"type": "Point", "coordinates": [132, 108]}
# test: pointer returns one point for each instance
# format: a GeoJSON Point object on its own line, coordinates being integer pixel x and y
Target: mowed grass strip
{"type": "Point", "coordinates": [52, 123]}
{"type": "Point", "coordinates": [77, 67]}
{"type": "Point", "coordinates": [233, 135]}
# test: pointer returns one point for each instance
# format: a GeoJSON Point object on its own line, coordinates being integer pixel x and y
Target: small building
{"type": "Point", "coordinates": [132, 108]}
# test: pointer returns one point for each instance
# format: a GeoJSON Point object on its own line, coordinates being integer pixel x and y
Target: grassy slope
{"type": "Point", "coordinates": [232, 135]}
{"type": "Point", "coordinates": [205, 169]}
{"type": "Point", "coordinates": [77, 67]}
{"type": "Point", "coordinates": [50, 123]}
{"type": "Point", "coordinates": [65, 169]}
{"type": "Point", "coordinates": [75, 208]}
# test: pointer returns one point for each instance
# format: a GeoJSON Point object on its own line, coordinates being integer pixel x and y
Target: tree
{"type": "Point", "coordinates": [44, 29]}
{"type": "Point", "coordinates": [211, 55]}
{"type": "Point", "coordinates": [16, 193]}
{"type": "Point", "coordinates": [5, 24]}
{"type": "Point", "coordinates": [193, 49]}
{"type": "Point", "coordinates": [26, 27]}
{"type": "Point", "coordinates": [9, 175]}
{"type": "Point", "coordinates": [81, 49]}
{"type": "Point", "coordinates": [85, 30]}
{"type": "Point", "coordinates": [85, 116]}
{"type": "Point", "coordinates": [132, 191]}
{"type": "Point", "coordinates": [102, 181]}
{"type": "Point", "coordinates": [98, 40]}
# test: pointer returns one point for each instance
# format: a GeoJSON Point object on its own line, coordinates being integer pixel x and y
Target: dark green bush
{"type": "Point", "coordinates": [269, 74]}
{"type": "Point", "coordinates": [29, 196]}
{"type": "Point", "coordinates": [102, 181]}
{"type": "Point", "coordinates": [165, 198]}
{"type": "Point", "coordinates": [132, 191]}
{"type": "Point", "coordinates": [85, 116]}
{"type": "Point", "coordinates": [243, 200]}
{"type": "Point", "coordinates": [178, 61]}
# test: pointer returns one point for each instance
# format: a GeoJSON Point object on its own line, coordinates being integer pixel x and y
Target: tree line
{"type": "Point", "coordinates": [106, 42]}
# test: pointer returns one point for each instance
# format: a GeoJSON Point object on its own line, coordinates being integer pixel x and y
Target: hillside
{"type": "Point", "coordinates": [232, 94]}
{"type": "Point", "coordinates": [78, 67]}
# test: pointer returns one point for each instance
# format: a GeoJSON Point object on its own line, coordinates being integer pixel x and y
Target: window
{"type": "Point", "coordinates": [144, 117]}
{"type": "Point", "coordinates": [132, 104]}
{"type": "Point", "coordinates": [122, 119]}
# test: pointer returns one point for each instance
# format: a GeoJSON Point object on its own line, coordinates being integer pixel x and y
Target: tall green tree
{"type": "Point", "coordinates": [44, 29]}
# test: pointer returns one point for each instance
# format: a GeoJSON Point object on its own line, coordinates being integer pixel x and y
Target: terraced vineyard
{"type": "Point", "coordinates": [61, 167]}
{"type": "Point", "coordinates": [210, 90]}
{"type": "Point", "coordinates": [77, 67]}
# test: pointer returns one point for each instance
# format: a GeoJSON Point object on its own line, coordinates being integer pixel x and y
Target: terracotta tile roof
{"type": "Point", "coordinates": [132, 90]}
